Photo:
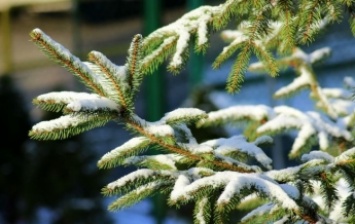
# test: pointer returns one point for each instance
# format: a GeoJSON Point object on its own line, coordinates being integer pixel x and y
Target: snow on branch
{"type": "Point", "coordinates": [68, 125]}
{"type": "Point", "coordinates": [155, 162]}
{"type": "Point", "coordinates": [116, 156]}
{"type": "Point", "coordinates": [139, 177]}
{"type": "Point", "coordinates": [184, 115]}
{"type": "Point", "coordinates": [66, 59]}
{"type": "Point", "coordinates": [240, 113]}
{"type": "Point", "coordinates": [310, 125]}
{"type": "Point", "coordinates": [115, 77]}
{"type": "Point", "coordinates": [225, 146]}
{"type": "Point", "coordinates": [220, 173]}
{"type": "Point", "coordinates": [232, 184]}
{"type": "Point", "coordinates": [177, 35]}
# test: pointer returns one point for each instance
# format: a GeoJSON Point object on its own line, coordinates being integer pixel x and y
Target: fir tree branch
{"type": "Point", "coordinates": [117, 156]}
{"type": "Point", "coordinates": [134, 63]}
{"type": "Point", "coordinates": [311, 15]}
{"type": "Point", "coordinates": [63, 56]}
{"type": "Point", "coordinates": [176, 148]}
{"type": "Point", "coordinates": [202, 210]}
{"type": "Point", "coordinates": [288, 29]}
{"type": "Point", "coordinates": [234, 114]}
{"type": "Point", "coordinates": [130, 181]}
{"type": "Point", "coordinates": [68, 125]}
{"type": "Point", "coordinates": [219, 174]}
{"type": "Point", "coordinates": [155, 58]}
{"type": "Point", "coordinates": [139, 194]}
{"type": "Point", "coordinates": [155, 162]}
{"type": "Point", "coordinates": [116, 77]}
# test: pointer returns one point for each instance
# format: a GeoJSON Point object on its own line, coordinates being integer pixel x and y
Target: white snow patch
{"type": "Point", "coordinates": [132, 143]}
{"type": "Point", "coordinates": [159, 50]}
{"type": "Point", "coordinates": [266, 208]}
{"type": "Point", "coordinates": [306, 132]}
{"type": "Point", "coordinates": [296, 84]}
{"type": "Point", "coordinates": [145, 173]}
{"type": "Point", "coordinates": [343, 191]}
{"type": "Point", "coordinates": [256, 112]}
{"type": "Point", "coordinates": [198, 148]}
{"type": "Point", "coordinates": [263, 139]}
{"type": "Point", "coordinates": [319, 54]}
{"type": "Point", "coordinates": [78, 101]}
{"type": "Point", "coordinates": [349, 82]}
{"type": "Point", "coordinates": [158, 129]}
{"type": "Point", "coordinates": [239, 143]}
{"type": "Point", "coordinates": [62, 122]}
{"type": "Point", "coordinates": [337, 93]}
{"type": "Point", "coordinates": [239, 181]}
{"type": "Point", "coordinates": [283, 174]}
{"type": "Point", "coordinates": [233, 183]}
{"type": "Point", "coordinates": [92, 104]}
{"type": "Point", "coordinates": [178, 190]}
{"type": "Point", "coordinates": [183, 113]}
{"type": "Point", "coordinates": [348, 154]}
{"type": "Point", "coordinates": [141, 173]}
{"type": "Point", "coordinates": [343, 107]}
{"type": "Point", "coordinates": [199, 215]}
{"type": "Point", "coordinates": [181, 46]}
{"type": "Point", "coordinates": [310, 124]}
{"type": "Point", "coordinates": [167, 159]}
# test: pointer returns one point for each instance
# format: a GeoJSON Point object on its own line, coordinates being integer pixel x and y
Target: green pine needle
{"type": "Point", "coordinates": [117, 156]}
{"type": "Point", "coordinates": [49, 106]}
{"type": "Point", "coordinates": [236, 76]}
{"type": "Point", "coordinates": [67, 126]}
{"type": "Point", "coordinates": [65, 58]}
{"type": "Point", "coordinates": [138, 194]}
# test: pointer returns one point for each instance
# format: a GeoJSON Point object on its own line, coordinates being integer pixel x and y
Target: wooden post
{"type": "Point", "coordinates": [6, 50]}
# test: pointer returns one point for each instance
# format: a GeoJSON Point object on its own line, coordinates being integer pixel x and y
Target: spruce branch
{"type": "Point", "coordinates": [236, 77]}
{"type": "Point", "coordinates": [134, 63]}
{"type": "Point", "coordinates": [175, 38]}
{"type": "Point", "coordinates": [184, 115]}
{"type": "Point", "coordinates": [85, 111]}
{"type": "Point", "coordinates": [130, 181]}
{"type": "Point", "coordinates": [313, 14]}
{"type": "Point", "coordinates": [64, 57]}
{"type": "Point", "coordinates": [137, 124]}
{"type": "Point", "coordinates": [202, 210]}
{"type": "Point", "coordinates": [239, 185]}
{"type": "Point", "coordinates": [302, 63]}
{"type": "Point", "coordinates": [219, 174]}
{"type": "Point", "coordinates": [224, 146]}
{"type": "Point", "coordinates": [310, 124]}
{"type": "Point", "coordinates": [286, 10]}
{"type": "Point", "coordinates": [116, 79]}
{"type": "Point", "coordinates": [117, 156]}
{"type": "Point", "coordinates": [179, 34]}
{"type": "Point", "coordinates": [69, 125]}
{"type": "Point", "coordinates": [139, 194]}
{"type": "Point", "coordinates": [234, 114]}
{"type": "Point", "coordinates": [156, 162]}
{"type": "Point", "coordinates": [154, 59]}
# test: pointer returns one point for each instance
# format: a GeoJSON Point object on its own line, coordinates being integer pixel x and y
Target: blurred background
{"type": "Point", "coordinates": [58, 181]}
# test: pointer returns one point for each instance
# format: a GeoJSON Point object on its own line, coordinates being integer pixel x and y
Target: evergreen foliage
{"type": "Point", "coordinates": [221, 175]}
